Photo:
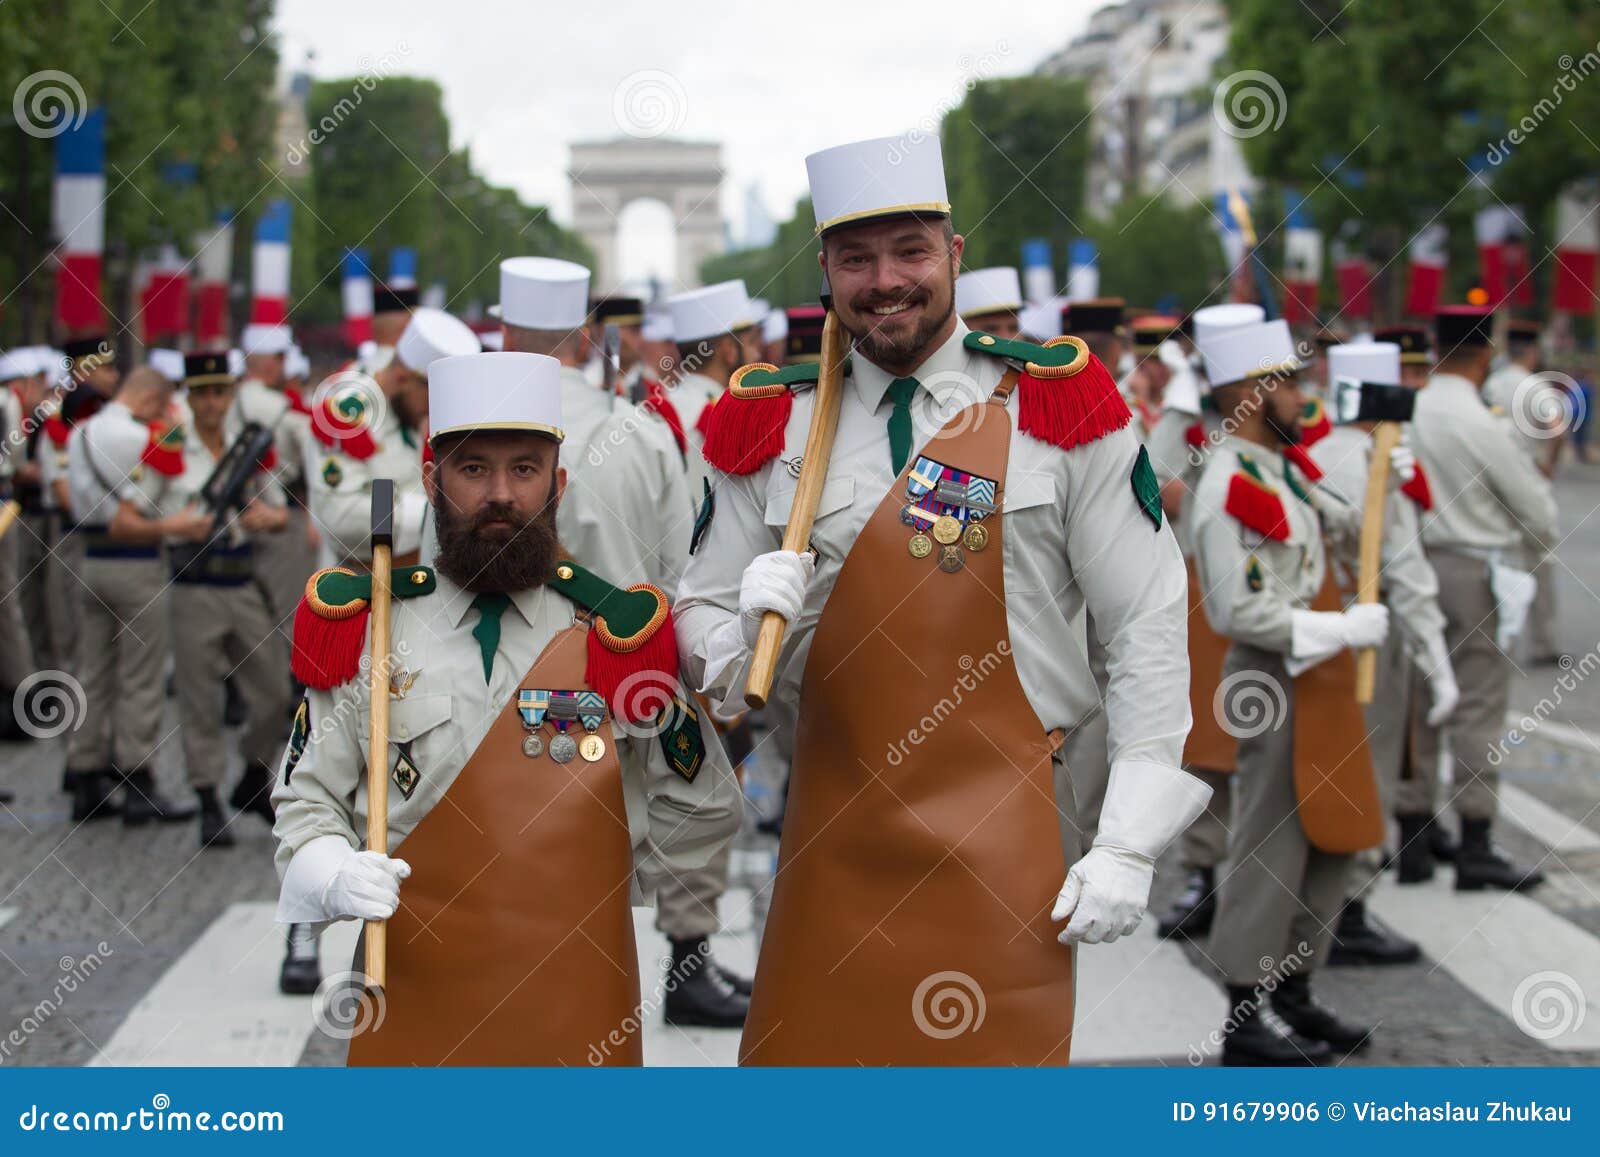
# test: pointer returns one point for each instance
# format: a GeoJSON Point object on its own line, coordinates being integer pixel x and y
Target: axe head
{"type": "Point", "coordinates": [1357, 401]}
{"type": "Point", "coordinates": [383, 512]}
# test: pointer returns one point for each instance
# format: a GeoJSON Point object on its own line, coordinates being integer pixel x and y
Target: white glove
{"type": "Point", "coordinates": [1105, 895]}
{"type": "Point", "coordinates": [773, 582]}
{"type": "Point", "coordinates": [1441, 678]}
{"type": "Point", "coordinates": [1319, 635]}
{"type": "Point", "coordinates": [1402, 464]}
{"type": "Point", "coordinates": [327, 879]}
{"type": "Point", "coordinates": [1365, 625]}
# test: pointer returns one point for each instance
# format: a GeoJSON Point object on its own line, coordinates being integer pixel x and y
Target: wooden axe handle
{"type": "Point", "coordinates": [8, 516]}
{"type": "Point", "coordinates": [807, 494]}
{"type": "Point", "coordinates": [377, 939]}
{"type": "Point", "coordinates": [1385, 437]}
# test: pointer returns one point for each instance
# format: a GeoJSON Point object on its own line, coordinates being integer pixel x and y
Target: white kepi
{"type": "Point", "coordinates": [710, 311]}
{"type": "Point", "coordinates": [1253, 350]}
{"type": "Point", "coordinates": [883, 177]}
{"type": "Point", "coordinates": [992, 290]}
{"type": "Point", "coordinates": [543, 293]}
{"type": "Point", "coordinates": [432, 334]}
{"type": "Point", "coordinates": [495, 391]}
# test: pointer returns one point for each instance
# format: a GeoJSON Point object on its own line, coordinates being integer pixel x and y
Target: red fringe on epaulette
{"type": "Point", "coordinates": [326, 652]}
{"type": "Point", "coordinates": [656, 400]}
{"type": "Point", "coordinates": [704, 419]}
{"type": "Point", "coordinates": [297, 401]}
{"type": "Point", "coordinates": [637, 684]}
{"type": "Point", "coordinates": [1195, 434]}
{"type": "Point", "coordinates": [1418, 490]}
{"type": "Point", "coordinates": [1069, 412]}
{"type": "Point", "coordinates": [337, 432]}
{"type": "Point", "coordinates": [57, 430]}
{"type": "Point", "coordinates": [1257, 507]}
{"type": "Point", "coordinates": [1316, 431]}
{"type": "Point", "coordinates": [269, 461]}
{"type": "Point", "coordinates": [744, 434]}
{"type": "Point", "coordinates": [1303, 462]}
{"type": "Point", "coordinates": [163, 459]}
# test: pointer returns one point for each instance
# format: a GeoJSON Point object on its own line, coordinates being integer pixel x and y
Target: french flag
{"type": "Point", "coordinates": [402, 267]}
{"type": "Point", "coordinates": [1430, 250]}
{"type": "Point", "coordinates": [356, 290]}
{"type": "Point", "coordinates": [1083, 270]}
{"type": "Point", "coordinates": [1038, 270]}
{"type": "Point", "coordinates": [164, 304]}
{"type": "Point", "coordinates": [80, 222]}
{"type": "Point", "coordinates": [213, 260]}
{"type": "Point", "coordinates": [1302, 259]}
{"type": "Point", "coordinates": [1577, 246]}
{"type": "Point", "coordinates": [1491, 229]}
{"type": "Point", "coordinates": [1354, 275]}
{"type": "Point", "coordinates": [269, 273]}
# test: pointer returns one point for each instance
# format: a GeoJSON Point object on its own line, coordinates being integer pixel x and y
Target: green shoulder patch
{"type": "Point", "coordinates": [760, 374]}
{"type": "Point", "coordinates": [681, 741]}
{"type": "Point", "coordinates": [1146, 490]}
{"type": "Point", "coordinates": [338, 591]}
{"type": "Point", "coordinates": [299, 732]}
{"type": "Point", "coordinates": [1252, 574]}
{"type": "Point", "coordinates": [625, 617]}
{"type": "Point", "coordinates": [702, 520]}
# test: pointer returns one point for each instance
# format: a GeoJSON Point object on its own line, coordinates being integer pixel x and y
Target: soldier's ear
{"type": "Point", "coordinates": [957, 244]}
{"type": "Point", "coordinates": [561, 483]}
{"type": "Point", "coordinates": [429, 477]}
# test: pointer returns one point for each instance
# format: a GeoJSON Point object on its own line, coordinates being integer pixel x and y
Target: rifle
{"type": "Point", "coordinates": [223, 492]}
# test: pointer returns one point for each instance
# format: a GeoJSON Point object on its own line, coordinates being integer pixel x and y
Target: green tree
{"type": "Point", "coordinates": [1152, 250]}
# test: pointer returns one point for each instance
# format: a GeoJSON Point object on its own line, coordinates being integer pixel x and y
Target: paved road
{"type": "Point", "coordinates": [129, 947]}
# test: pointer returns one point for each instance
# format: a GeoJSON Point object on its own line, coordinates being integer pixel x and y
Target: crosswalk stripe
{"type": "Point", "coordinates": [5, 916]}
{"type": "Point", "coordinates": [1139, 998]}
{"type": "Point", "coordinates": [218, 1003]}
{"type": "Point", "coordinates": [1537, 969]}
{"type": "Point", "coordinates": [1551, 827]}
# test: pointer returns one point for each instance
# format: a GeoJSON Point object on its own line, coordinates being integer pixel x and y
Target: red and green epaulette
{"type": "Point", "coordinates": [164, 452]}
{"type": "Point", "coordinates": [744, 428]}
{"type": "Point", "coordinates": [1065, 396]}
{"type": "Point", "coordinates": [1314, 422]}
{"type": "Point", "coordinates": [633, 661]}
{"type": "Point", "coordinates": [341, 424]}
{"type": "Point", "coordinates": [657, 402]}
{"type": "Point", "coordinates": [297, 401]}
{"type": "Point", "coordinates": [330, 624]}
{"type": "Point", "coordinates": [1418, 489]}
{"type": "Point", "coordinates": [58, 430]}
{"type": "Point", "coordinates": [1254, 503]}
{"type": "Point", "coordinates": [1303, 462]}
{"type": "Point", "coordinates": [1194, 434]}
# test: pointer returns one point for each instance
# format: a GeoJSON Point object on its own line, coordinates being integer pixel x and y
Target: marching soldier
{"type": "Point", "coordinates": [224, 627]}
{"type": "Point", "coordinates": [1146, 385]}
{"type": "Point", "coordinates": [804, 343]}
{"type": "Point", "coordinates": [16, 649]}
{"type": "Point", "coordinates": [716, 333]}
{"type": "Point", "coordinates": [526, 748]}
{"type": "Point", "coordinates": [638, 381]}
{"type": "Point", "coordinates": [1487, 500]}
{"type": "Point", "coordinates": [121, 466]}
{"type": "Point", "coordinates": [990, 300]}
{"type": "Point", "coordinates": [392, 307]}
{"type": "Point", "coordinates": [910, 845]}
{"type": "Point", "coordinates": [37, 400]}
{"type": "Point", "coordinates": [1416, 352]}
{"type": "Point", "coordinates": [774, 335]}
{"type": "Point", "coordinates": [1260, 560]}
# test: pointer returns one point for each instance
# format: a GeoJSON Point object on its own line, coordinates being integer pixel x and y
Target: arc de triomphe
{"type": "Point", "coordinates": [686, 176]}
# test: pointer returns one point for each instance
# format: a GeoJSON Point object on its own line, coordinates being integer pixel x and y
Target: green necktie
{"type": "Point", "coordinates": [491, 605]}
{"type": "Point", "coordinates": [900, 392]}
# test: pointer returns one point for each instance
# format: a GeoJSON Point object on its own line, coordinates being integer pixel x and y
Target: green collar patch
{"type": "Point", "coordinates": [625, 617]}
{"type": "Point", "coordinates": [1058, 357]}
{"type": "Point", "coordinates": [1248, 465]}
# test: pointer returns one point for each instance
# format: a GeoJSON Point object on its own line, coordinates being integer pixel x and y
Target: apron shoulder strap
{"type": "Point", "coordinates": [1002, 392]}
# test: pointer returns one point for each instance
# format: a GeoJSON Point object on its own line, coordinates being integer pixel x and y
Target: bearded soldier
{"type": "Point", "coordinates": [543, 753]}
{"type": "Point", "coordinates": [980, 494]}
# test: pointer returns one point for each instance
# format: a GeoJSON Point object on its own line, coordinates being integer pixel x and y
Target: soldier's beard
{"type": "Point", "coordinates": [477, 558]}
{"type": "Point", "coordinates": [886, 348]}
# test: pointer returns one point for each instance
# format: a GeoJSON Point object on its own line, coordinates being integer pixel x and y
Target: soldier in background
{"type": "Point", "coordinates": [990, 300]}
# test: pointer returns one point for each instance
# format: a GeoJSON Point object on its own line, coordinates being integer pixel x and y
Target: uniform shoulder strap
{"type": "Point", "coordinates": [633, 650]}
{"type": "Point", "coordinates": [1254, 503]}
{"type": "Point", "coordinates": [1065, 396]}
{"type": "Point", "coordinates": [330, 623]}
{"type": "Point", "coordinates": [744, 428]}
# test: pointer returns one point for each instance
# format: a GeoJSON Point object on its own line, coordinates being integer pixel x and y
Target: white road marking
{"type": "Point", "coordinates": [6, 915]}
{"type": "Point", "coordinates": [1564, 734]}
{"type": "Point", "coordinates": [1139, 998]}
{"type": "Point", "coordinates": [1537, 969]}
{"type": "Point", "coordinates": [1551, 827]}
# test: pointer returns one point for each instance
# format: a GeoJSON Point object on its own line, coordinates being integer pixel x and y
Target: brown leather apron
{"type": "Point", "coordinates": [514, 940]}
{"type": "Point", "coordinates": [1209, 747]}
{"type": "Point", "coordinates": [910, 921]}
{"type": "Point", "coordinates": [1333, 775]}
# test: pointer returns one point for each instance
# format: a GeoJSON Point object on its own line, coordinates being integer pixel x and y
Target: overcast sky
{"type": "Point", "coordinates": [770, 82]}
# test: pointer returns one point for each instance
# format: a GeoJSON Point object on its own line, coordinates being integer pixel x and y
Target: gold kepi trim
{"type": "Point", "coordinates": [209, 380]}
{"type": "Point", "coordinates": [530, 427]}
{"type": "Point", "coordinates": [886, 211]}
{"type": "Point", "coordinates": [1416, 359]}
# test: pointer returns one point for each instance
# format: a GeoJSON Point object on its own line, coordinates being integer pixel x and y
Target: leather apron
{"type": "Point", "coordinates": [1209, 747]}
{"type": "Point", "coordinates": [514, 944]}
{"type": "Point", "coordinates": [1333, 775]}
{"type": "Point", "coordinates": [910, 919]}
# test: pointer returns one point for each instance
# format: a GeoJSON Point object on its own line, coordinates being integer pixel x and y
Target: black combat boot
{"type": "Point", "coordinates": [698, 993]}
{"type": "Point", "coordinates": [1414, 865]}
{"type": "Point", "coordinates": [141, 802]}
{"type": "Point", "coordinates": [1191, 914]}
{"type": "Point", "coordinates": [1479, 864]}
{"type": "Point", "coordinates": [214, 831]}
{"type": "Point", "coordinates": [1439, 842]}
{"type": "Point", "coordinates": [1294, 1002]}
{"type": "Point", "coordinates": [1254, 1035]}
{"type": "Point", "coordinates": [302, 966]}
{"type": "Point", "coordinates": [253, 792]}
{"type": "Point", "coordinates": [93, 795]}
{"type": "Point", "coordinates": [1360, 940]}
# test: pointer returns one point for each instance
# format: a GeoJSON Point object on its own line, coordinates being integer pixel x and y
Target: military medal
{"type": "Point", "coordinates": [532, 745]}
{"type": "Point", "coordinates": [976, 537]}
{"type": "Point", "coordinates": [946, 529]}
{"type": "Point", "coordinates": [532, 705]}
{"type": "Point", "coordinates": [946, 504]}
{"type": "Point", "coordinates": [920, 545]}
{"type": "Point", "coordinates": [950, 559]}
{"type": "Point", "coordinates": [592, 748]}
{"type": "Point", "coordinates": [563, 747]}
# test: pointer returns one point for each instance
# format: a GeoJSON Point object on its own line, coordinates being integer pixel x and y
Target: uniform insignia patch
{"type": "Point", "coordinates": [1146, 490]}
{"type": "Point", "coordinates": [406, 776]}
{"type": "Point", "coordinates": [332, 474]}
{"type": "Point", "coordinates": [681, 741]}
{"type": "Point", "coordinates": [299, 732]}
{"type": "Point", "coordinates": [702, 520]}
{"type": "Point", "coordinates": [1252, 574]}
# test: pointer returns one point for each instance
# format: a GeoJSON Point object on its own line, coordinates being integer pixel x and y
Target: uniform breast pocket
{"type": "Point", "coordinates": [1033, 519]}
{"type": "Point", "coordinates": [832, 531]}
{"type": "Point", "coordinates": [421, 759]}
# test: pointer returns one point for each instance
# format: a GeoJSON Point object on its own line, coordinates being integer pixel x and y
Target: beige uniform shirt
{"type": "Point", "coordinates": [1074, 539]}
{"type": "Point", "coordinates": [1251, 583]}
{"type": "Point", "coordinates": [199, 464]}
{"type": "Point", "coordinates": [104, 468]}
{"type": "Point", "coordinates": [339, 493]}
{"type": "Point", "coordinates": [258, 402]}
{"type": "Point", "coordinates": [1487, 496]}
{"type": "Point", "coordinates": [445, 714]}
{"type": "Point", "coordinates": [692, 395]}
{"type": "Point", "coordinates": [1406, 580]}
{"type": "Point", "coordinates": [1522, 414]}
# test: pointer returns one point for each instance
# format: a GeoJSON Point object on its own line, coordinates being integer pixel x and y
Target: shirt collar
{"type": "Point", "coordinates": [536, 605]}
{"type": "Point", "coordinates": [1269, 459]}
{"type": "Point", "coordinates": [943, 373]}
